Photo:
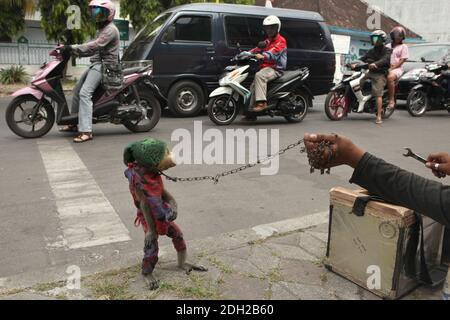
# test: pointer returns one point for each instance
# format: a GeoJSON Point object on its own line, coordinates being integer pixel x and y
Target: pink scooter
{"type": "Point", "coordinates": [31, 113]}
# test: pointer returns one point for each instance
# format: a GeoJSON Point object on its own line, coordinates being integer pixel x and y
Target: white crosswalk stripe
{"type": "Point", "coordinates": [87, 217]}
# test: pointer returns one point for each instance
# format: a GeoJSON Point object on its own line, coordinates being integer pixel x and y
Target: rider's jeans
{"type": "Point", "coordinates": [259, 87]}
{"type": "Point", "coordinates": [82, 96]}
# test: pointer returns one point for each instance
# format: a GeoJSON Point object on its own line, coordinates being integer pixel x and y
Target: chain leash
{"type": "Point", "coordinates": [217, 177]}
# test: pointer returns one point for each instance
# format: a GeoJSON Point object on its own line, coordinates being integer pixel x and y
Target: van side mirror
{"type": "Point", "coordinates": [169, 35]}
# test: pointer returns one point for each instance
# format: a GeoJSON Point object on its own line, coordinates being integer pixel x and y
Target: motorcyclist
{"type": "Point", "coordinates": [379, 59]}
{"type": "Point", "coordinates": [105, 47]}
{"type": "Point", "coordinates": [446, 73]}
{"type": "Point", "coordinates": [273, 59]}
{"type": "Point", "coordinates": [400, 53]}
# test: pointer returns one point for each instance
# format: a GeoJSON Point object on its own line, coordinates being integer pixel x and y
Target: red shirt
{"type": "Point", "coordinates": [275, 53]}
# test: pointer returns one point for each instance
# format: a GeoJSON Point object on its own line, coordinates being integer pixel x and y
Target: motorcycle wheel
{"type": "Point", "coordinates": [220, 113]}
{"type": "Point", "coordinates": [37, 117]}
{"type": "Point", "coordinates": [300, 100]}
{"type": "Point", "coordinates": [153, 114]}
{"type": "Point", "coordinates": [417, 103]}
{"type": "Point", "coordinates": [336, 107]}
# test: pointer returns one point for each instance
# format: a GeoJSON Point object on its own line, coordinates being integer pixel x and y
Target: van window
{"type": "Point", "coordinates": [303, 35]}
{"type": "Point", "coordinates": [193, 28]}
{"type": "Point", "coordinates": [243, 30]}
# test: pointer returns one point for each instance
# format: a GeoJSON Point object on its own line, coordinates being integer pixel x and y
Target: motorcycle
{"type": "Point", "coordinates": [31, 114]}
{"type": "Point", "coordinates": [287, 96]}
{"type": "Point", "coordinates": [348, 96]}
{"type": "Point", "coordinates": [431, 93]}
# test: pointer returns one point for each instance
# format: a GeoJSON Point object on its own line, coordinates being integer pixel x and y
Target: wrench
{"type": "Point", "coordinates": [411, 154]}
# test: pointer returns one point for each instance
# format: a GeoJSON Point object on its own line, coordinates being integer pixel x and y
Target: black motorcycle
{"type": "Point", "coordinates": [431, 93]}
{"type": "Point", "coordinates": [288, 96]}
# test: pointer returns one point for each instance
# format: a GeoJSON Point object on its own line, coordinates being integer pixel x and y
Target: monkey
{"type": "Point", "coordinates": [157, 209]}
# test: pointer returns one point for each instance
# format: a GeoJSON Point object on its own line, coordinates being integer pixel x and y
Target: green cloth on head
{"type": "Point", "coordinates": [146, 153]}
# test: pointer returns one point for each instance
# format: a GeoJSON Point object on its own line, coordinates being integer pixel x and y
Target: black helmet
{"type": "Point", "coordinates": [378, 35]}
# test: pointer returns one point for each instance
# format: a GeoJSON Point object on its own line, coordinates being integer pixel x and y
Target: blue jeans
{"type": "Point", "coordinates": [82, 96]}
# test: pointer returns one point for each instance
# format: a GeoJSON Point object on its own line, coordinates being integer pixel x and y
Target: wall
{"type": "Point", "coordinates": [429, 18]}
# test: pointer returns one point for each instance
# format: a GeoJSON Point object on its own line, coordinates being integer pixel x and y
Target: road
{"type": "Point", "coordinates": [48, 224]}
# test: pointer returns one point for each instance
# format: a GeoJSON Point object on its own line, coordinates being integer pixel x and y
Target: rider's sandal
{"type": "Point", "coordinates": [379, 121]}
{"type": "Point", "coordinates": [83, 137]}
{"type": "Point", "coordinates": [68, 128]}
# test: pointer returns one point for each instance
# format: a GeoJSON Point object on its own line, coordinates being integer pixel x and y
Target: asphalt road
{"type": "Point", "coordinates": [36, 234]}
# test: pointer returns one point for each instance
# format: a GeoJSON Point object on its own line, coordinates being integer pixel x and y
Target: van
{"type": "Point", "coordinates": [189, 47]}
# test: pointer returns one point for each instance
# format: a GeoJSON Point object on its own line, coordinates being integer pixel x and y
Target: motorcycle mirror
{"type": "Point", "coordinates": [238, 45]}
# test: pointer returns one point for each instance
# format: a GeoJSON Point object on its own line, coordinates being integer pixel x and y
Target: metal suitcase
{"type": "Point", "coordinates": [383, 248]}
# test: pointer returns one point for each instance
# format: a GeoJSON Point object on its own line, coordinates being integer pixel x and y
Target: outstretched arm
{"type": "Point", "coordinates": [90, 48]}
{"type": "Point", "coordinates": [383, 179]}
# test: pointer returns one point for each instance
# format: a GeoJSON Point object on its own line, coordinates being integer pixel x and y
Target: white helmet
{"type": "Point", "coordinates": [271, 21]}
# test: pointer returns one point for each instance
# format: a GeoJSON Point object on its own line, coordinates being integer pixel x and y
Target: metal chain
{"type": "Point", "coordinates": [217, 177]}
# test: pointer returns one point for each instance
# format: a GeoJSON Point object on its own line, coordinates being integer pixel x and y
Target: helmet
{"type": "Point", "coordinates": [272, 21]}
{"type": "Point", "coordinates": [378, 35]}
{"type": "Point", "coordinates": [398, 32]}
{"type": "Point", "coordinates": [102, 10]}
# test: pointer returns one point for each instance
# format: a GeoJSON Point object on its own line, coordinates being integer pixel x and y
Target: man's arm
{"type": "Point", "coordinates": [90, 48]}
{"type": "Point", "coordinates": [274, 53]}
{"type": "Point", "coordinates": [403, 188]}
{"type": "Point", "coordinates": [386, 180]}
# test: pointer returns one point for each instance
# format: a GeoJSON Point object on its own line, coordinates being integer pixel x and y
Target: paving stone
{"type": "Point", "coordinates": [238, 287]}
{"type": "Point", "coordinates": [312, 245]}
{"type": "Point", "coordinates": [279, 292]}
{"type": "Point", "coordinates": [242, 253]}
{"type": "Point", "coordinates": [263, 258]}
{"type": "Point", "coordinates": [27, 296]}
{"type": "Point", "coordinates": [291, 252]}
{"type": "Point", "coordinates": [319, 235]}
{"type": "Point", "coordinates": [340, 287]}
{"type": "Point", "coordinates": [239, 265]}
{"type": "Point", "coordinates": [304, 272]}
{"type": "Point", "coordinates": [290, 239]}
{"type": "Point", "coordinates": [308, 292]}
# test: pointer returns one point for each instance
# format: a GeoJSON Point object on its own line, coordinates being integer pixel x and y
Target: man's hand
{"type": "Point", "coordinates": [439, 163]}
{"type": "Point", "coordinates": [373, 67]}
{"type": "Point", "coordinates": [260, 56]}
{"type": "Point", "coordinates": [343, 149]}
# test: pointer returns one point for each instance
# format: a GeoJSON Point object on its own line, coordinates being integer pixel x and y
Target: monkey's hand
{"type": "Point", "coordinates": [168, 198]}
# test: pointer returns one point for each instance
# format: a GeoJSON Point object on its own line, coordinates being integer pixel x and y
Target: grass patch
{"type": "Point", "coordinates": [108, 290]}
{"type": "Point", "coordinates": [220, 265]}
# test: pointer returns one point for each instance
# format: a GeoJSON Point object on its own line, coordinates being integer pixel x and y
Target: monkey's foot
{"type": "Point", "coordinates": [188, 267]}
{"type": "Point", "coordinates": [151, 282]}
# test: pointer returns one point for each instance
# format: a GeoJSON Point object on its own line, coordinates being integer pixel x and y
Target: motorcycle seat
{"type": "Point", "coordinates": [288, 76]}
{"type": "Point", "coordinates": [133, 70]}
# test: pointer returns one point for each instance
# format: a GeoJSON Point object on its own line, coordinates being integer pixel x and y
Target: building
{"type": "Point", "coordinates": [434, 22]}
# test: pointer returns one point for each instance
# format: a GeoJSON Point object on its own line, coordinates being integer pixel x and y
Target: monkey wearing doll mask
{"type": "Point", "coordinates": [156, 207]}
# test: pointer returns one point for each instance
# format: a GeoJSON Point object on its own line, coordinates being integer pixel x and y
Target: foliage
{"type": "Point", "coordinates": [13, 74]}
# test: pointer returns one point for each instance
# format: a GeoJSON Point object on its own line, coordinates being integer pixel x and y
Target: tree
{"type": "Point", "coordinates": [55, 16]}
{"type": "Point", "coordinates": [142, 11]}
{"type": "Point", "coordinates": [12, 16]}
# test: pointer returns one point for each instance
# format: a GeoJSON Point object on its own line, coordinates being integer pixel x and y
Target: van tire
{"type": "Point", "coordinates": [186, 99]}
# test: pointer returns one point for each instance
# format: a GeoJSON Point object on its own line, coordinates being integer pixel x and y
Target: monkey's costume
{"type": "Point", "coordinates": [156, 208]}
